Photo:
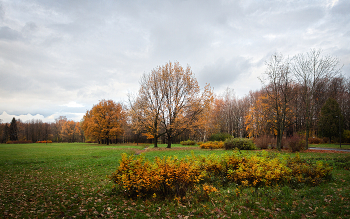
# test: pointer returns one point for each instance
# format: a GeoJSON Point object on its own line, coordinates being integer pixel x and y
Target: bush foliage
{"type": "Point", "coordinates": [19, 142]}
{"type": "Point", "coordinates": [219, 137]}
{"type": "Point", "coordinates": [212, 145]}
{"type": "Point", "coordinates": [315, 140]}
{"type": "Point", "coordinates": [239, 143]}
{"type": "Point", "coordinates": [295, 143]}
{"type": "Point", "coordinates": [172, 177]}
{"type": "Point", "coordinates": [188, 142]}
{"type": "Point", "coordinates": [264, 142]}
{"type": "Point", "coordinates": [44, 141]}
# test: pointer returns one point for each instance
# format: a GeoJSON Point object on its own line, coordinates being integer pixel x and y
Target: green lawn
{"type": "Point", "coordinates": [70, 180]}
{"type": "Point", "coordinates": [337, 146]}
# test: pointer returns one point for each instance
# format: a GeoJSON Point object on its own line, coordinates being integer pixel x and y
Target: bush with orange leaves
{"type": "Point", "coordinates": [48, 141]}
{"type": "Point", "coordinates": [212, 145]}
{"type": "Point", "coordinates": [168, 176]}
{"type": "Point", "coordinates": [172, 177]}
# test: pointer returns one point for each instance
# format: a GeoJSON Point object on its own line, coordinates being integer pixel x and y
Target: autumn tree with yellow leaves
{"type": "Point", "coordinates": [104, 121]}
{"type": "Point", "coordinates": [170, 102]}
{"type": "Point", "coordinates": [70, 130]}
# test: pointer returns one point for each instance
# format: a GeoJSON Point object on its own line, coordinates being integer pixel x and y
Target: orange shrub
{"type": "Point", "coordinates": [212, 145]}
{"type": "Point", "coordinates": [172, 177]}
{"type": "Point", "coordinates": [48, 141]}
{"type": "Point", "coordinates": [165, 177]}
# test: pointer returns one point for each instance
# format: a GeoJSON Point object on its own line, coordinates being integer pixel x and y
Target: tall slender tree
{"type": "Point", "coordinates": [13, 130]}
{"type": "Point", "coordinates": [277, 85]}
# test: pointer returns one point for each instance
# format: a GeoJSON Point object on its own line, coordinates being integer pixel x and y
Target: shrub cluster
{"type": "Point", "coordinates": [168, 176]}
{"type": "Point", "coordinates": [212, 145]}
{"type": "Point", "coordinates": [303, 172]}
{"type": "Point", "coordinates": [219, 137]}
{"type": "Point", "coordinates": [239, 143]}
{"type": "Point", "coordinates": [48, 141]}
{"type": "Point", "coordinates": [19, 142]}
{"type": "Point", "coordinates": [264, 142]}
{"type": "Point", "coordinates": [188, 142]}
{"type": "Point", "coordinates": [315, 140]}
{"type": "Point", "coordinates": [294, 143]}
{"type": "Point", "coordinates": [172, 177]}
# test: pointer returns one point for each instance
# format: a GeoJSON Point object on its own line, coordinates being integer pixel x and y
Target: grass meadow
{"type": "Point", "coordinates": [70, 180]}
{"type": "Point", "coordinates": [337, 146]}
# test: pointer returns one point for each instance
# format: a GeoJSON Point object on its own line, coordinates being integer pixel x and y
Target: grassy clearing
{"type": "Point", "coordinates": [337, 146]}
{"type": "Point", "coordinates": [70, 180]}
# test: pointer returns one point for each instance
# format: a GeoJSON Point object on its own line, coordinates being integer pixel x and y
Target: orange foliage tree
{"type": "Point", "coordinates": [258, 120]}
{"type": "Point", "coordinates": [104, 121]}
{"type": "Point", "coordinates": [170, 102]}
{"type": "Point", "coordinates": [70, 130]}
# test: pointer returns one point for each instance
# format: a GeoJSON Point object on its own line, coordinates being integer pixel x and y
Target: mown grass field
{"type": "Point", "coordinates": [70, 180]}
{"type": "Point", "coordinates": [337, 146]}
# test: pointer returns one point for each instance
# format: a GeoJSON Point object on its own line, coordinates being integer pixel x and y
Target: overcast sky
{"type": "Point", "coordinates": [59, 58]}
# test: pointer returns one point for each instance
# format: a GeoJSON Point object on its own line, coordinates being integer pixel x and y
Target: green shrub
{"type": "Point", "coordinates": [239, 143]}
{"type": "Point", "coordinates": [346, 136]}
{"type": "Point", "coordinates": [303, 172]}
{"type": "Point", "coordinates": [219, 137]}
{"type": "Point", "coordinates": [188, 142]}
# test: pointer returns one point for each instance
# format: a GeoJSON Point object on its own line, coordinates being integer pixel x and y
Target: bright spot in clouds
{"type": "Point", "coordinates": [73, 104]}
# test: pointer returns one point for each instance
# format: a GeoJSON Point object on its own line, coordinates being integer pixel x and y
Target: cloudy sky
{"type": "Point", "coordinates": [58, 58]}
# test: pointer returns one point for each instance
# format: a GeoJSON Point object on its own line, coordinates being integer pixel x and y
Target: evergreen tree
{"type": "Point", "coordinates": [5, 134]}
{"type": "Point", "coordinates": [13, 131]}
{"type": "Point", "coordinates": [330, 119]}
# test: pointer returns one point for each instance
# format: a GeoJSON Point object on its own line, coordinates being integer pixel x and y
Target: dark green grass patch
{"type": "Point", "coordinates": [336, 146]}
{"type": "Point", "coordinates": [70, 180]}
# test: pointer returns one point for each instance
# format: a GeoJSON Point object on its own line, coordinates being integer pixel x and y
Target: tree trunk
{"type": "Point", "coordinates": [169, 142]}
{"type": "Point", "coordinates": [169, 139]}
{"type": "Point", "coordinates": [156, 141]}
{"type": "Point", "coordinates": [307, 127]}
{"type": "Point", "coordinates": [279, 139]}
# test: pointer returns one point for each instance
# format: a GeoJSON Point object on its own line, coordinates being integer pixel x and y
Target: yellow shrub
{"type": "Point", "coordinates": [212, 145]}
{"type": "Point", "coordinates": [169, 176]}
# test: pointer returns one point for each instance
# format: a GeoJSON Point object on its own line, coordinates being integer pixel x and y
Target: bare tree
{"type": "Point", "coordinates": [309, 69]}
{"type": "Point", "coordinates": [277, 85]}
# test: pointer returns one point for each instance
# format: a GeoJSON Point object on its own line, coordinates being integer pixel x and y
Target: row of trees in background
{"type": "Point", "coordinates": [305, 95]}
{"type": "Point", "coordinates": [62, 130]}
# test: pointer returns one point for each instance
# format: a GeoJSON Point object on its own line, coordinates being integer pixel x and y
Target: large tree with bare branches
{"type": "Point", "coordinates": [310, 69]}
{"type": "Point", "coordinates": [277, 85]}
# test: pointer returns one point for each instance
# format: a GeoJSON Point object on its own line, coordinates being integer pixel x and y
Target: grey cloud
{"type": "Point", "coordinates": [341, 8]}
{"type": "Point", "coordinates": [223, 72]}
{"type": "Point", "coordinates": [9, 34]}
{"type": "Point", "coordinates": [30, 27]}
{"type": "Point", "coordinates": [54, 52]}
